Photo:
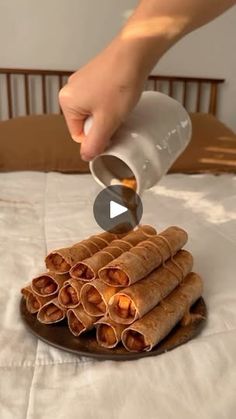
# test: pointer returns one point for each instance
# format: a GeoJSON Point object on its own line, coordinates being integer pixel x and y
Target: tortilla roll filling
{"type": "Point", "coordinates": [79, 321]}
{"type": "Point", "coordinates": [45, 285]}
{"type": "Point", "coordinates": [135, 341]}
{"type": "Point", "coordinates": [108, 332]}
{"type": "Point", "coordinates": [95, 296]}
{"type": "Point", "coordinates": [51, 312]}
{"type": "Point", "coordinates": [68, 295]}
{"type": "Point", "coordinates": [117, 277]}
{"type": "Point", "coordinates": [142, 259]}
{"type": "Point", "coordinates": [76, 326]}
{"type": "Point", "coordinates": [57, 263]}
{"type": "Point", "coordinates": [124, 307]}
{"type": "Point", "coordinates": [33, 303]}
{"type": "Point", "coordinates": [106, 335]}
{"type": "Point", "coordinates": [48, 284]}
{"type": "Point", "coordinates": [82, 271]}
{"type": "Point", "coordinates": [95, 300]}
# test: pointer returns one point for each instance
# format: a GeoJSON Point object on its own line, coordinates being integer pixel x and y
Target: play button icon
{"type": "Point", "coordinates": [118, 209]}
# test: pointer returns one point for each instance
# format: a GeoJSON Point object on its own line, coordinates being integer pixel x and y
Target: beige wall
{"type": "Point", "coordinates": [209, 52]}
{"type": "Point", "coordinates": [64, 34]}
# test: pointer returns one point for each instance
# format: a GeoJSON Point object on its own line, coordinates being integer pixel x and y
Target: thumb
{"type": "Point", "coordinates": [98, 137]}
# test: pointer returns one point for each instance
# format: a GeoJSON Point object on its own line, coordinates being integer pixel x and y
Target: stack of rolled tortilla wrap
{"type": "Point", "coordinates": [132, 289]}
{"type": "Point", "coordinates": [52, 293]}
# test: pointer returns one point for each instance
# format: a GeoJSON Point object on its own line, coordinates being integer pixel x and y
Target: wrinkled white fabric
{"type": "Point", "coordinates": [39, 212]}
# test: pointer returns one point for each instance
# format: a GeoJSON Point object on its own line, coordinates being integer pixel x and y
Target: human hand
{"type": "Point", "coordinates": [107, 88]}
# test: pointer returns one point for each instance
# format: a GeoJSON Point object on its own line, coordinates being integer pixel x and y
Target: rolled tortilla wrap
{"type": "Point", "coordinates": [61, 260]}
{"type": "Point", "coordinates": [148, 331]}
{"type": "Point", "coordinates": [108, 333]}
{"type": "Point", "coordinates": [26, 290]}
{"type": "Point", "coordinates": [69, 294]}
{"type": "Point", "coordinates": [51, 312]}
{"type": "Point", "coordinates": [48, 284]}
{"type": "Point", "coordinates": [142, 259]}
{"type": "Point", "coordinates": [87, 269]}
{"type": "Point", "coordinates": [94, 297]}
{"type": "Point", "coordinates": [33, 301]}
{"type": "Point", "coordinates": [79, 321]}
{"type": "Point", "coordinates": [135, 301]}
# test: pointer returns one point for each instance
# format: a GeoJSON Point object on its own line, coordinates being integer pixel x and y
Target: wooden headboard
{"type": "Point", "coordinates": [28, 91]}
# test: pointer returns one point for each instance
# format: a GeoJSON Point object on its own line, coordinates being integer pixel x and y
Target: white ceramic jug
{"type": "Point", "coordinates": [154, 135]}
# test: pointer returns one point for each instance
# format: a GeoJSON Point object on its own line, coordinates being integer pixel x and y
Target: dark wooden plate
{"type": "Point", "coordinates": [58, 335]}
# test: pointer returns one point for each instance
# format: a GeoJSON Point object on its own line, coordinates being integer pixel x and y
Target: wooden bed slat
{"type": "Point", "coordinates": [44, 93]}
{"type": "Point", "coordinates": [60, 78]}
{"type": "Point", "coordinates": [199, 91]}
{"type": "Point", "coordinates": [170, 90]}
{"type": "Point", "coordinates": [155, 84]}
{"type": "Point", "coordinates": [27, 95]}
{"type": "Point", "coordinates": [9, 95]}
{"type": "Point", "coordinates": [213, 98]}
{"type": "Point", "coordinates": [185, 91]}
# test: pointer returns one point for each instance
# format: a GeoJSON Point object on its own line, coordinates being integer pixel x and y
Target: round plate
{"type": "Point", "coordinates": [58, 335]}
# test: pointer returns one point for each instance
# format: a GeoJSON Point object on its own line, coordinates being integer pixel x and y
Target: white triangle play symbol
{"type": "Point", "coordinates": [116, 209]}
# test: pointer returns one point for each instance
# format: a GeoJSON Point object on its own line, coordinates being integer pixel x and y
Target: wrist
{"type": "Point", "coordinates": [140, 55]}
{"type": "Point", "coordinates": [144, 39]}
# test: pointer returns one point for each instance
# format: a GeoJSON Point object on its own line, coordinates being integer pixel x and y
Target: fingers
{"type": "Point", "coordinates": [99, 134]}
{"type": "Point", "coordinates": [74, 119]}
{"type": "Point", "coordinates": [98, 138]}
{"type": "Point", "coordinates": [75, 126]}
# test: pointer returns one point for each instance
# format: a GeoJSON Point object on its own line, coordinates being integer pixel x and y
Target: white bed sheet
{"type": "Point", "coordinates": [39, 212]}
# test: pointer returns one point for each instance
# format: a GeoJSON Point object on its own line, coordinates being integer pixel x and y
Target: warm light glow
{"type": "Point", "coordinates": [128, 13]}
{"type": "Point", "coordinates": [163, 25]}
{"type": "Point", "coordinates": [217, 161]}
{"type": "Point", "coordinates": [213, 210]}
{"type": "Point", "coordinates": [221, 150]}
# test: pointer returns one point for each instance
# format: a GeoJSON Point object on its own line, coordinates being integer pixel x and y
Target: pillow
{"type": "Point", "coordinates": [39, 142]}
{"type": "Point", "coordinates": [43, 143]}
{"type": "Point", "coordinates": [211, 150]}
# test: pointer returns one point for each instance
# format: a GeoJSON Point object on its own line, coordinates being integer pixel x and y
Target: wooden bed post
{"type": "Point", "coordinates": [213, 99]}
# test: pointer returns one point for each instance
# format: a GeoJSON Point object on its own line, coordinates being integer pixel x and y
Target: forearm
{"type": "Point", "coordinates": [110, 85]}
{"type": "Point", "coordinates": [195, 12]}
{"type": "Point", "coordinates": [156, 25]}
